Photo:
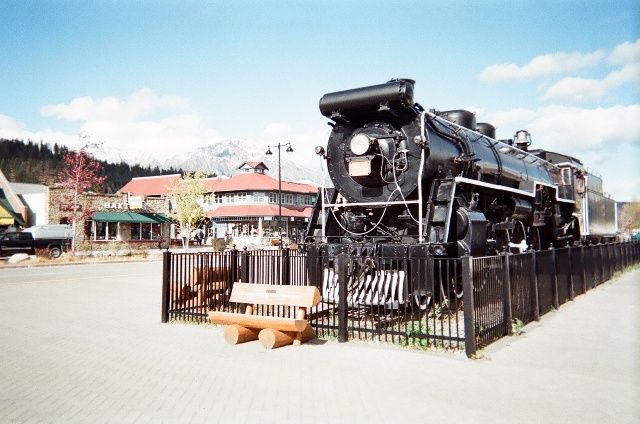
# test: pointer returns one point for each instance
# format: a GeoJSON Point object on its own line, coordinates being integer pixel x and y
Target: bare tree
{"type": "Point", "coordinates": [80, 174]}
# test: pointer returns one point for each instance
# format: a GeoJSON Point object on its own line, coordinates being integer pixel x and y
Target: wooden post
{"type": "Point", "coordinates": [166, 286]}
{"type": "Point", "coordinates": [534, 280]}
{"type": "Point", "coordinates": [342, 297]}
{"type": "Point", "coordinates": [469, 313]}
{"type": "Point", "coordinates": [506, 278]}
{"type": "Point", "coordinates": [300, 314]}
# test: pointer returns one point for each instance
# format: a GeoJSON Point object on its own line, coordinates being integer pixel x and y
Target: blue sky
{"type": "Point", "coordinates": [165, 76]}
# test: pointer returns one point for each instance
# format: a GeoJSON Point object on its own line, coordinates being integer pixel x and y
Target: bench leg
{"type": "Point", "coordinates": [272, 339]}
{"type": "Point", "coordinates": [236, 334]}
{"type": "Point", "coordinates": [305, 335]}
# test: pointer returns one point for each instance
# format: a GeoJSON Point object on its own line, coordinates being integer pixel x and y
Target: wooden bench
{"type": "Point", "coordinates": [271, 331]}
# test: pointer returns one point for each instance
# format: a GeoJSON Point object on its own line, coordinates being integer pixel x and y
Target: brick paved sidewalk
{"type": "Point", "coordinates": [88, 347]}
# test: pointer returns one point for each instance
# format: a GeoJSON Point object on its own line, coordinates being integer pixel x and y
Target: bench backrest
{"type": "Point", "coordinates": [268, 294]}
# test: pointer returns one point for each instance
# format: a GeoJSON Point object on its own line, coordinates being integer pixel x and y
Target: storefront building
{"type": "Point", "coordinates": [13, 212]}
{"type": "Point", "coordinates": [116, 220]}
{"type": "Point", "coordinates": [245, 205]}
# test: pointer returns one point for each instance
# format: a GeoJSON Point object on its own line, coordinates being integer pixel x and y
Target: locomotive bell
{"type": "Point", "coordinates": [522, 139]}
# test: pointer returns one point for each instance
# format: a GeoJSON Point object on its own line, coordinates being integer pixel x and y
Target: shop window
{"type": "Point", "coordinates": [112, 230]}
{"type": "Point", "coordinates": [146, 231]}
{"type": "Point", "coordinates": [135, 232]}
{"type": "Point", "coordinates": [100, 232]}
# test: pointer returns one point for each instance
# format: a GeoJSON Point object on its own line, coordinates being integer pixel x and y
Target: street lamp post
{"type": "Point", "coordinates": [268, 152]}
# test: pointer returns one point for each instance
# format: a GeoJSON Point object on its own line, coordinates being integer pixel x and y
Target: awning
{"type": "Point", "coordinates": [8, 216]}
{"type": "Point", "coordinates": [131, 217]}
{"type": "Point", "coordinates": [159, 217]}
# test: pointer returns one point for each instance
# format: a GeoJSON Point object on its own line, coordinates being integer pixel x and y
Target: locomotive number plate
{"type": "Point", "coordinates": [360, 167]}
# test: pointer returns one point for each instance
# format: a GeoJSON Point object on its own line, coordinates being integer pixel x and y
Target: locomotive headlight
{"type": "Point", "coordinates": [360, 144]}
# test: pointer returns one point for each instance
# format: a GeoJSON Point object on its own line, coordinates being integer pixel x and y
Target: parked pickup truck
{"type": "Point", "coordinates": [53, 239]}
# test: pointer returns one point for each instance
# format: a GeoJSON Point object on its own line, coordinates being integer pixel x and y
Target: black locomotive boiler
{"type": "Point", "coordinates": [403, 175]}
{"type": "Point", "coordinates": [413, 183]}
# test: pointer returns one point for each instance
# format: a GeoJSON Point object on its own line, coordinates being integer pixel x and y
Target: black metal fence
{"type": "Point", "coordinates": [512, 290]}
{"type": "Point", "coordinates": [416, 301]}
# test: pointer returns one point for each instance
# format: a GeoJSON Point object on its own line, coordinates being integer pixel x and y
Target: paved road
{"type": "Point", "coordinates": [84, 344]}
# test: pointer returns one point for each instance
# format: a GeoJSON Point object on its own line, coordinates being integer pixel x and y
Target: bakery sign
{"type": "Point", "coordinates": [133, 203]}
{"type": "Point", "coordinates": [116, 205]}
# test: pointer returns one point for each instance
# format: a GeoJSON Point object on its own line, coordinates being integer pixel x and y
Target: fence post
{"type": "Point", "coordinates": [342, 297]}
{"type": "Point", "coordinates": [234, 267]}
{"type": "Point", "coordinates": [534, 279]}
{"type": "Point", "coordinates": [469, 312]}
{"type": "Point", "coordinates": [166, 285]}
{"type": "Point", "coordinates": [244, 267]}
{"type": "Point", "coordinates": [554, 272]}
{"type": "Point", "coordinates": [583, 270]}
{"type": "Point", "coordinates": [571, 292]}
{"type": "Point", "coordinates": [286, 278]}
{"type": "Point", "coordinates": [506, 277]}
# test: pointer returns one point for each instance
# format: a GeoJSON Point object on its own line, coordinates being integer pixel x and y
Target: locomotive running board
{"type": "Point", "coordinates": [380, 288]}
{"type": "Point", "coordinates": [512, 190]}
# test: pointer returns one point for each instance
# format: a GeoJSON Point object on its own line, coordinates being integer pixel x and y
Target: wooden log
{"type": "Point", "coordinates": [305, 335]}
{"type": "Point", "coordinates": [236, 334]}
{"type": "Point", "coordinates": [271, 339]}
{"type": "Point", "coordinates": [257, 321]}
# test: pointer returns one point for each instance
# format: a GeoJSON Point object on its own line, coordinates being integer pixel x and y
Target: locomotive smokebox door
{"type": "Point", "coordinates": [360, 167]}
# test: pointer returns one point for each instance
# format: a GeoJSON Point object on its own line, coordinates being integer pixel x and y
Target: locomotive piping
{"type": "Point", "coordinates": [425, 140]}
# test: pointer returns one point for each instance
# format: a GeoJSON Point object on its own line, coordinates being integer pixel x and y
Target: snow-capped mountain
{"type": "Point", "coordinates": [224, 158]}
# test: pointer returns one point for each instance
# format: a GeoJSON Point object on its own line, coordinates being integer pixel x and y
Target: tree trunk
{"type": "Point", "coordinates": [74, 218]}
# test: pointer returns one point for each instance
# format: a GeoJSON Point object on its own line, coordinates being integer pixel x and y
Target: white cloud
{"type": "Point", "coordinates": [276, 129]}
{"type": "Point", "coordinates": [148, 125]}
{"type": "Point", "coordinates": [539, 66]}
{"type": "Point", "coordinates": [607, 139]}
{"type": "Point", "coordinates": [144, 124]}
{"type": "Point", "coordinates": [510, 117]}
{"type": "Point", "coordinates": [142, 103]}
{"type": "Point", "coordinates": [11, 128]}
{"type": "Point", "coordinates": [571, 129]}
{"type": "Point", "coordinates": [625, 53]}
{"type": "Point", "coordinates": [624, 189]}
{"type": "Point", "coordinates": [582, 89]}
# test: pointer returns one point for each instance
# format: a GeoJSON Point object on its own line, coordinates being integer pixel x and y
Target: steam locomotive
{"type": "Point", "coordinates": [406, 179]}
